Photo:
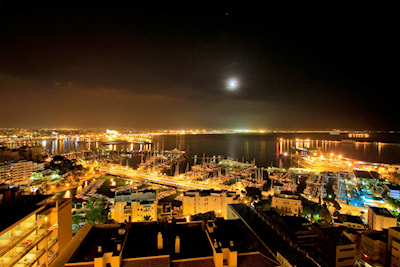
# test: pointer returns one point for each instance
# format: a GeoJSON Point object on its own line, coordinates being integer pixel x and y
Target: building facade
{"type": "Point", "coordinates": [37, 233]}
{"type": "Point", "coordinates": [287, 204]}
{"type": "Point", "coordinates": [334, 248]}
{"type": "Point", "coordinates": [373, 248]}
{"type": "Point", "coordinates": [393, 247]}
{"type": "Point", "coordinates": [135, 206]}
{"type": "Point", "coordinates": [380, 218]}
{"type": "Point", "coordinates": [18, 172]}
{"type": "Point", "coordinates": [202, 201]}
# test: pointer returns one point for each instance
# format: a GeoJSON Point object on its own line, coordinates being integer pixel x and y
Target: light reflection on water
{"type": "Point", "coordinates": [365, 151]}
{"type": "Point", "coordinates": [264, 148]}
{"type": "Point", "coordinates": [66, 145]}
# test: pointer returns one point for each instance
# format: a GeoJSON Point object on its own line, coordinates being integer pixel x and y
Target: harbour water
{"type": "Point", "coordinates": [266, 149]}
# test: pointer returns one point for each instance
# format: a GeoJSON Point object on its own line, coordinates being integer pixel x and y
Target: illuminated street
{"type": "Point", "coordinates": [162, 179]}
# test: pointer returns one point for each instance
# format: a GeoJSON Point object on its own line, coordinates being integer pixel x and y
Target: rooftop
{"type": "Point", "coordinates": [141, 241]}
{"type": "Point", "coordinates": [350, 218]}
{"type": "Point", "coordinates": [143, 195]}
{"type": "Point", "coordinates": [147, 234]}
{"type": "Point", "coordinates": [377, 235]}
{"type": "Point", "coordinates": [207, 192]}
{"type": "Point", "coordinates": [396, 228]}
{"type": "Point", "coordinates": [289, 223]}
{"type": "Point", "coordinates": [293, 256]}
{"type": "Point", "coordinates": [382, 212]}
{"type": "Point", "coordinates": [270, 237]}
{"type": "Point", "coordinates": [106, 236]}
{"type": "Point", "coordinates": [244, 241]}
{"type": "Point", "coordinates": [298, 224]}
{"type": "Point", "coordinates": [333, 234]}
{"type": "Point", "coordinates": [288, 194]}
{"type": "Point", "coordinates": [139, 244]}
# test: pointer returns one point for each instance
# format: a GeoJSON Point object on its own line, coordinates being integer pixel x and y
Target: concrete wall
{"type": "Point", "coordinates": [64, 224]}
{"type": "Point", "coordinates": [345, 255]}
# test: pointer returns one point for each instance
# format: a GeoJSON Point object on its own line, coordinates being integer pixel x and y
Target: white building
{"type": "Point", "coordinates": [135, 206]}
{"type": "Point", "coordinates": [380, 218]}
{"type": "Point", "coordinates": [288, 204]}
{"type": "Point", "coordinates": [18, 172]}
{"type": "Point", "coordinates": [202, 201]}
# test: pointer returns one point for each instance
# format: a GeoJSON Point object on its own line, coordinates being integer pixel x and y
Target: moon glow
{"type": "Point", "coordinates": [232, 84]}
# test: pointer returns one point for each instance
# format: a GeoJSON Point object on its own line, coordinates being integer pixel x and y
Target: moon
{"type": "Point", "coordinates": [232, 84]}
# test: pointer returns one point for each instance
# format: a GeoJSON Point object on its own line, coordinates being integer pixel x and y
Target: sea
{"type": "Point", "coordinates": [266, 149]}
{"type": "Point", "coordinates": [269, 149]}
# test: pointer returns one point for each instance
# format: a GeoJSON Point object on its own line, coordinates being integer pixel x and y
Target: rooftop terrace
{"type": "Point", "coordinates": [142, 240]}
{"type": "Point", "coordinates": [140, 244]}
{"type": "Point", "coordinates": [106, 236]}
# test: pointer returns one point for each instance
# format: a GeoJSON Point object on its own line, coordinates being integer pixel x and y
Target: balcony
{"type": "Point", "coordinates": [26, 243]}
{"type": "Point", "coordinates": [24, 248]}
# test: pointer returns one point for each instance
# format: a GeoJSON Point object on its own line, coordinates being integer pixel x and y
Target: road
{"type": "Point", "coordinates": [162, 179]}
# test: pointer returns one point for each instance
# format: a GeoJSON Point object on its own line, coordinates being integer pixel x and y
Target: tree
{"type": "Point", "coordinates": [336, 214]}
{"type": "Point", "coordinates": [302, 185]}
{"type": "Point", "coordinates": [308, 212]}
{"type": "Point", "coordinates": [61, 163]}
{"type": "Point", "coordinates": [98, 210]}
{"type": "Point", "coordinates": [210, 215]}
{"type": "Point", "coordinates": [329, 188]}
{"type": "Point", "coordinates": [325, 215]}
{"type": "Point", "coordinates": [264, 204]}
{"type": "Point", "coordinates": [37, 176]}
{"type": "Point", "coordinates": [253, 192]}
{"type": "Point", "coordinates": [76, 219]}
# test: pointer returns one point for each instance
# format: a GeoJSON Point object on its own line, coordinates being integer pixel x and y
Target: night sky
{"type": "Point", "coordinates": [120, 65]}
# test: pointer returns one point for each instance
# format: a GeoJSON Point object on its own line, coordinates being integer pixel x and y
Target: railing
{"type": "Point", "coordinates": [34, 243]}
{"type": "Point", "coordinates": [17, 240]}
{"type": "Point", "coordinates": [41, 252]}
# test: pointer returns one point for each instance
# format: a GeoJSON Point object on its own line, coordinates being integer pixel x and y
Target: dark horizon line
{"type": "Point", "coordinates": [250, 130]}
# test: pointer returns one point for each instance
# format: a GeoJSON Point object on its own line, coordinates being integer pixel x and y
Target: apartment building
{"type": "Point", "coordinates": [334, 248]}
{"type": "Point", "coordinates": [380, 218]}
{"type": "Point", "coordinates": [287, 204]}
{"type": "Point", "coordinates": [373, 248]}
{"type": "Point", "coordinates": [202, 201]}
{"type": "Point", "coordinates": [135, 206]}
{"type": "Point", "coordinates": [393, 247]}
{"type": "Point", "coordinates": [34, 229]}
{"type": "Point", "coordinates": [18, 172]}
